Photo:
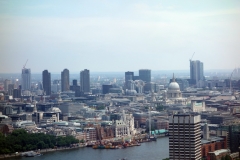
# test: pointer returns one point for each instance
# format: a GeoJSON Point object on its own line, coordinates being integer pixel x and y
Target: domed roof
{"type": "Point", "coordinates": [173, 85]}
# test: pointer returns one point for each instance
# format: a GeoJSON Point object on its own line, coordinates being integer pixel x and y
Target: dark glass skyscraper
{"type": "Point", "coordinates": [46, 79]}
{"type": "Point", "coordinates": [145, 75]}
{"type": "Point", "coordinates": [65, 80]}
{"type": "Point", "coordinates": [196, 71]}
{"type": "Point", "coordinates": [129, 76]}
{"type": "Point", "coordinates": [85, 80]}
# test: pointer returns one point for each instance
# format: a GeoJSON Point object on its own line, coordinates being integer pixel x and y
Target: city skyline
{"type": "Point", "coordinates": [158, 35]}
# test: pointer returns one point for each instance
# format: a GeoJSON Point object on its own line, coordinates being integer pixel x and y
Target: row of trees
{"type": "Point", "coordinates": [20, 141]}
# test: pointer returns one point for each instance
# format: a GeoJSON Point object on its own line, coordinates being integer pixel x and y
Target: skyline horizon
{"type": "Point", "coordinates": [164, 70]}
{"type": "Point", "coordinates": [119, 35]}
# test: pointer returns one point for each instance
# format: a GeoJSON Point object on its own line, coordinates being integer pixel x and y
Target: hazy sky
{"type": "Point", "coordinates": [109, 35]}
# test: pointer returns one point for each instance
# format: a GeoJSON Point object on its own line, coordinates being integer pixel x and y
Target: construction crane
{"type": "Point", "coordinates": [192, 57]}
{"type": "Point", "coordinates": [25, 64]}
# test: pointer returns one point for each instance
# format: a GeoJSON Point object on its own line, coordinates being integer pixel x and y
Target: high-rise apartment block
{"type": "Point", "coordinates": [85, 80]}
{"type": "Point", "coordinates": [145, 75]}
{"type": "Point", "coordinates": [26, 79]}
{"type": "Point", "coordinates": [196, 71]}
{"type": "Point", "coordinates": [46, 79]}
{"type": "Point", "coordinates": [65, 80]}
{"type": "Point", "coordinates": [184, 137]}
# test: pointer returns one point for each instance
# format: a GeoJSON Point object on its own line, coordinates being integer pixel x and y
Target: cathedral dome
{"type": "Point", "coordinates": [173, 86]}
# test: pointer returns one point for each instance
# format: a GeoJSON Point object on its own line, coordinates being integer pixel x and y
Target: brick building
{"type": "Point", "coordinates": [213, 144]}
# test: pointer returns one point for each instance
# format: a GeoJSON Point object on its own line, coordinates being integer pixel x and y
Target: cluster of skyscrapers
{"type": "Point", "coordinates": [140, 83]}
{"type": "Point", "coordinates": [65, 81]}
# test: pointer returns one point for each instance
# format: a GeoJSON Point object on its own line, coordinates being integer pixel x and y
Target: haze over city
{"type": "Point", "coordinates": [118, 35]}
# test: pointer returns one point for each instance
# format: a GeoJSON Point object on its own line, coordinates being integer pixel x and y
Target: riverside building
{"type": "Point", "coordinates": [184, 137]}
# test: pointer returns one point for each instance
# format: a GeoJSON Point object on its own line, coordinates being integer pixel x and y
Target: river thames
{"type": "Point", "coordinates": [147, 151]}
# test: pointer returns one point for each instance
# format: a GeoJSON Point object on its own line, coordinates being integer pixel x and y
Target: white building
{"type": "Point", "coordinates": [124, 126]}
{"type": "Point", "coordinates": [184, 137]}
{"type": "Point", "coordinates": [174, 94]}
{"type": "Point", "coordinates": [198, 106]}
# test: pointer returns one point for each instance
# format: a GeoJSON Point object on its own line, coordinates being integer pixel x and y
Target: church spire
{"type": "Point", "coordinates": [173, 78]}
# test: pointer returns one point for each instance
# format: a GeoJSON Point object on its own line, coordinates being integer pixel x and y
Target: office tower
{"type": "Point", "coordinates": [106, 88]}
{"type": "Point", "coordinates": [40, 85]}
{"type": "Point", "coordinates": [10, 89]}
{"type": "Point", "coordinates": [85, 80]}
{"type": "Point", "coordinates": [65, 80]}
{"type": "Point", "coordinates": [184, 137]}
{"type": "Point", "coordinates": [74, 82]}
{"type": "Point", "coordinates": [6, 83]}
{"type": "Point", "coordinates": [26, 79]}
{"type": "Point", "coordinates": [56, 86]}
{"type": "Point", "coordinates": [129, 76]}
{"type": "Point", "coordinates": [75, 88]}
{"type": "Point", "coordinates": [196, 71]}
{"type": "Point", "coordinates": [17, 93]}
{"type": "Point", "coordinates": [16, 83]}
{"type": "Point", "coordinates": [145, 75]}
{"type": "Point", "coordinates": [46, 80]}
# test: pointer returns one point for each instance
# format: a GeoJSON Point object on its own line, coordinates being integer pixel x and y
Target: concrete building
{"type": "Point", "coordinates": [184, 137]}
{"type": "Point", "coordinates": [85, 80]}
{"type": "Point", "coordinates": [91, 134]}
{"type": "Point", "coordinates": [46, 79]}
{"type": "Point", "coordinates": [6, 83]}
{"type": "Point", "coordinates": [56, 86]}
{"type": "Point", "coordinates": [65, 80]}
{"type": "Point", "coordinates": [210, 143]}
{"type": "Point", "coordinates": [145, 75]}
{"type": "Point", "coordinates": [26, 79]}
{"type": "Point", "coordinates": [198, 105]}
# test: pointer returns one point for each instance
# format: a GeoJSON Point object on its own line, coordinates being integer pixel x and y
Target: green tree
{"type": "Point", "coordinates": [20, 141]}
{"type": "Point", "coordinates": [40, 145]}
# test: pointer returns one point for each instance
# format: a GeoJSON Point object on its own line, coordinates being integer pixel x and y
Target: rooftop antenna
{"type": "Point", "coordinates": [25, 64]}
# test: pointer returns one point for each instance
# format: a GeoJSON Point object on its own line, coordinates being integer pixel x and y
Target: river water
{"type": "Point", "coordinates": [147, 151]}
